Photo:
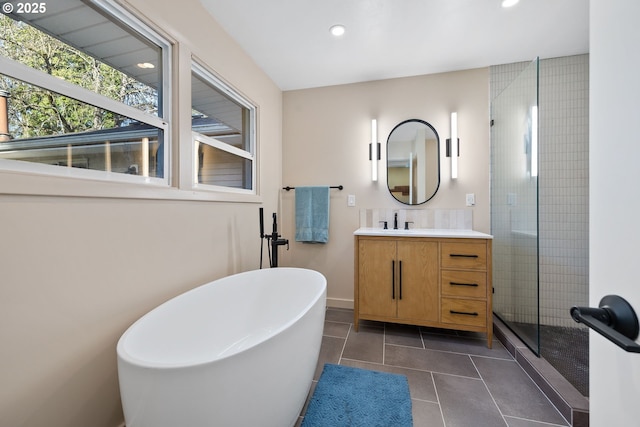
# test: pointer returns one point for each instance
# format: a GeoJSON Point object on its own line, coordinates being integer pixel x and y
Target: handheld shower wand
{"type": "Point", "coordinates": [261, 215]}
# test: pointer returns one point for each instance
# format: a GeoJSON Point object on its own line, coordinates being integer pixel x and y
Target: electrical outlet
{"type": "Point", "coordinates": [351, 200]}
{"type": "Point", "coordinates": [471, 199]}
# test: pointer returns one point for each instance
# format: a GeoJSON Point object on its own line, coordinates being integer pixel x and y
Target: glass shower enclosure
{"type": "Point", "coordinates": [514, 206]}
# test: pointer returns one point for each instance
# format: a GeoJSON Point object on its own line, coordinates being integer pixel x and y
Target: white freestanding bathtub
{"type": "Point", "coordinates": [238, 351]}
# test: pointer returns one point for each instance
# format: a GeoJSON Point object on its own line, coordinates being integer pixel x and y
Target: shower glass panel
{"type": "Point", "coordinates": [514, 206]}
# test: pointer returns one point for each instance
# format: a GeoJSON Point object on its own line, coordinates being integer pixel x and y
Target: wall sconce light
{"type": "Point", "coordinates": [374, 150]}
{"type": "Point", "coordinates": [453, 146]}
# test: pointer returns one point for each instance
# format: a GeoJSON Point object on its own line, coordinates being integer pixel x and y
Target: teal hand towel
{"type": "Point", "coordinates": [312, 214]}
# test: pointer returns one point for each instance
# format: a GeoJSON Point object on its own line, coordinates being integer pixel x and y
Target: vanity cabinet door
{"type": "Point", "coordinates": [376, 278]}
{"type": "Point", "coordinates": [418, 280]}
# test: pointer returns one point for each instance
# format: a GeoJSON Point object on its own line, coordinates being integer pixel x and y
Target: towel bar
{"type": "Point", "coordinates": [339, 187]}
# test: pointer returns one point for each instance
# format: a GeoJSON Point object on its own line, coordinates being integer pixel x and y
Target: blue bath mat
{"type": "Point", "coordinates": [352, 397]}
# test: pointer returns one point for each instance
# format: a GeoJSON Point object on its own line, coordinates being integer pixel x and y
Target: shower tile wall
{"type": "Point", "coordinates": [563, 183]}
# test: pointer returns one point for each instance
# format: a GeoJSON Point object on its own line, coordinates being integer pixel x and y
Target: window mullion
{"type": "Point", "coordinates": [35, 77]}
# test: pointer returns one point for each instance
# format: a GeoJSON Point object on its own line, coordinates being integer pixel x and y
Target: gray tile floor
{"type": "Point", "coordinates": [454, 379]}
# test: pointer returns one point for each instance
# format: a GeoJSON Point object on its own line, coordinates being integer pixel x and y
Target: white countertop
{"type": "Point", "coordinates": [422, 232]}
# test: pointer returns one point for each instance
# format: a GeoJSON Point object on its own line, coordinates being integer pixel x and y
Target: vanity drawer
{"type": "Point", "coordinates": [464, 312]}
{"type": "Point", "coordinates": [464, 255]}
{"type": "Point", "coordinates": [464, 283]}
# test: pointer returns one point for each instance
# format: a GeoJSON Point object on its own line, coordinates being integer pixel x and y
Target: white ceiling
{"type": "Point", "coordinates": [290, 39]}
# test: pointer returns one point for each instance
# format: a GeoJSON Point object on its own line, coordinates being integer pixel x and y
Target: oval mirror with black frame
{"type": "Point", "coordinates": [413, 162]}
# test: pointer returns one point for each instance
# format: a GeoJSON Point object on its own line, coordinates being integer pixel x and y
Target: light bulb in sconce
{"type": "Point", "coordinates": [534, 140]}
{"type": "Point", "coordinates": [374, 151]}
{"type": "Point", "coordinates": [454, 145]}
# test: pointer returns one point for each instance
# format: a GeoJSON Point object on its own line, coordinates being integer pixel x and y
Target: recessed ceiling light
{"type": "Point", "coordinates": [146, 65]}
{"type": "Point", "coordinates": [509, 3]}
{"type": "Point", "coordinates": [337, 30]}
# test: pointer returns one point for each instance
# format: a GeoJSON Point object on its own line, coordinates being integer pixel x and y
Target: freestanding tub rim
{"type": "Point", "coordinates": [150, 364]}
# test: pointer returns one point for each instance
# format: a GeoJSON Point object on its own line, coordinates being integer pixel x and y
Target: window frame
{"type": "Point", "coordinates": [198, 138]}
{"type": "Point", "coordinates": [31, 76]}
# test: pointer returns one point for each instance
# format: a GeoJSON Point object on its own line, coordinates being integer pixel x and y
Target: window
{"type": "Point", "coordinates": [83, 93]}
{"type": "Point", "coordinates": [223, 127]}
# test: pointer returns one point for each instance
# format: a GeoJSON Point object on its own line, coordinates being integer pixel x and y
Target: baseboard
{"type": "Point", "coordinates": [340, 303]}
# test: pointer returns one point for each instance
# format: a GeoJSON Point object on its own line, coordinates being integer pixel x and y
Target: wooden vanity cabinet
{"type": "Point", "coordinates": [398, 280]}
{"type": "Point", "coordinates": [437, 282]}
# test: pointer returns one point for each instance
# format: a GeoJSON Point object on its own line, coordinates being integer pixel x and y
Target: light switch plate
{"type": "Point", "coordinates": [351, 200]}
{"type": "Point", "coordinates": [471, 199]}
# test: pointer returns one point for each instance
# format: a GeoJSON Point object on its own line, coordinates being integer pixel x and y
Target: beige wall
{"type": "Point", "coordinates": [326, 132]}
{"type": "Point", "coordinates": [77, 271]}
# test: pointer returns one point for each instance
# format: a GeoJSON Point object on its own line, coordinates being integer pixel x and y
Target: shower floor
{"type": "Point", "coordinates": [566, 349]}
